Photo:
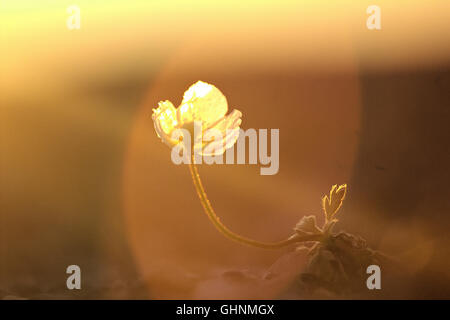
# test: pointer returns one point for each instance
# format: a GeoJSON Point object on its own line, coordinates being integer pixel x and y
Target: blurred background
{"type": "Point", "coordinates": [84, 179]}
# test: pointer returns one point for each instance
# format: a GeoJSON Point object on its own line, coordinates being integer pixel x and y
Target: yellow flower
{"type": "Point", "coordinates": [202, 103]}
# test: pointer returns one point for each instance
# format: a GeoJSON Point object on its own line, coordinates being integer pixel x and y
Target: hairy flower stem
{"type": "Point", "coordinates": [230, 234]}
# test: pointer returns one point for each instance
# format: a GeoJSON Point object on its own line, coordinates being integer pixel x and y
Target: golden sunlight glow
{"type": "Point", "coordinates": [257, 35]}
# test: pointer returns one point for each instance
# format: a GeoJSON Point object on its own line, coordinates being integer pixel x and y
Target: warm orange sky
{"type": "Point", "coordinates": [252, 34]}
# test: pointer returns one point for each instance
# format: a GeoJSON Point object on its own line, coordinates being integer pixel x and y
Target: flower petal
{"type": "Point", "coordinates": [230, 122]}
{"type": "Point", "coordinates": [229, 128]}
{"type": "Point", "coordinates": [216, 148]}
{"type": "Point", "coordinates": [165, 121]}
{"type": "Point", "coordinates": [202, 102]}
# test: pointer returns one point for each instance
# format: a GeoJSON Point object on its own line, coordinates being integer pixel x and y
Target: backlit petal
{"type": "Point", "coordinates": [165, 121]}
{"type": "Point", "coordinates": [229, 128]}
{"type": "Point", "coordinates": [202, 102]}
